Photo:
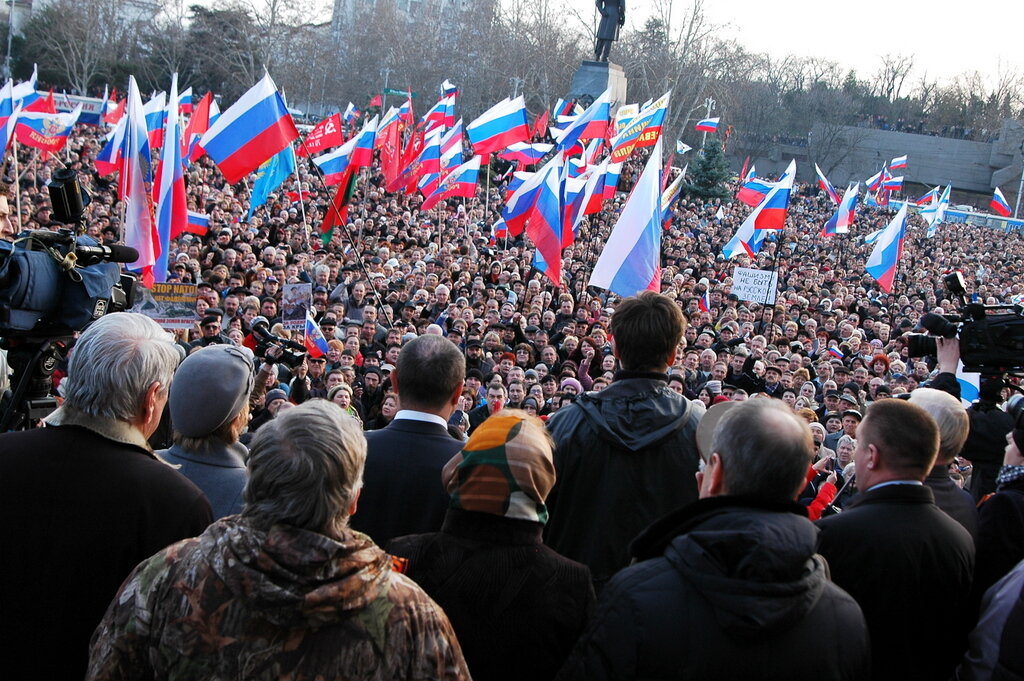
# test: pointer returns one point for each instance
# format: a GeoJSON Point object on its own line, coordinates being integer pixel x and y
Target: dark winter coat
{"type": "Point", "coordinates": [516, 606]}
{"type": "Point", "coordinates": [909, 566]}
{"type": "Point", "coordinates": [735, 592]}
{"type": "Point", "coordinates": [80, 511]}
{"type": "Point", "coordinates": [625, 456]}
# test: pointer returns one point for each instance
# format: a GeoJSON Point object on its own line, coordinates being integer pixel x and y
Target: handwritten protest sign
{"type": "Point", "coordinates": [756, 286]}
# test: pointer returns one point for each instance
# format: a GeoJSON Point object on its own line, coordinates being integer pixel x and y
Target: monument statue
{"type": "Point", "coordinates": [613, 17]}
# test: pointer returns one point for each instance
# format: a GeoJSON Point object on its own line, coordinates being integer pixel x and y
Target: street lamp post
{"type": "Point", "coordinates": [710, 104]}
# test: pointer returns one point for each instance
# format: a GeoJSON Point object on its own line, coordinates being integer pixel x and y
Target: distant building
{"type": "Point", "coordinates": [130, 10]}
{"type": "Point", "coordinates": [345, 11]}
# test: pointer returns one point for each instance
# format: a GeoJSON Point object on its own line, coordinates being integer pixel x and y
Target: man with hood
{"type": "Point", "coordinates": [286, 589]}
{"type": "Point", "coordinates": [730, 587]}
{"type": "Point", "coordinates": [628, 454]}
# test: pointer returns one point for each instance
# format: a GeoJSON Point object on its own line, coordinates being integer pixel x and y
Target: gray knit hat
{"type": "Point", "coordinates": [210, 388]}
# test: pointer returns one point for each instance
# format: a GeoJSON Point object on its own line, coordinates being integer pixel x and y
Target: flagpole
{"type": "Point", "coordinates": [356, 245]}
{"type": "Point", "coordinates": [302, 204]}
{"type": "Point", "coordinates": [768, 289]}
{"type": "Point", "coordinates": [17, 184]}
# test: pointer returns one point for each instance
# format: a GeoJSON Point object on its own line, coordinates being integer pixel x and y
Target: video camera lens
{"type": "Point", "coordinates": [67, 196]}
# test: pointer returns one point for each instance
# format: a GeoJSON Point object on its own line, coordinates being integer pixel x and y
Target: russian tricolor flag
{"type": "Point", "coordinates": [591, 124]}
{"type": "Point", "coordinates": [885, 257]}
{"type": "Point", "coordinates": [198, 223]}
{"type": "Point", "coordinates": [255, 128]}
{"type": "Point", "coordinates": [502, 125]}
{"type": "Point", "coordinates": [25, 93]}
{"type": "Point", "coordinates": [169, 187]}
{"type": "Point", "coordinates": [109, 158]}
{"type": "Point", "coordinates": [707, 125]}
{"type": "Point", "coordinates": [45, 131]}
{"type": "Point", "coordinates": [753, 191]}
{"type": "Point", "coordinates": [704, 301]}
{"type": "Point", "coordinates": [459, 182]}
{"type": "Point", "coordinates": [333, 164]}
{"type": "Point", "coordinates": [7, 126]}
{"type": "Point", "coordinates": [999, 204]}
{"type": "Point", "coordinates": [154, 111]}
{"type": "Point", "coordinates": [631, 260]}
{"type": "Point", "coordinates": [362, 153]}
{"type": "Point", "coordinates": [545, 224]}
{"type": "Point", "coordinates": [874, 182]}
{"type": "Point", "coordinates": [449, 89]}
{"type": "Point", "coordinates": [451, 146]}
{"type": "Point", "coordinates": [771, 213]}
{"type": "Point", "coordinates": [898, 162]}
{"type": "Point", "coordinates": [185, 101]}
{"type": "Point", "coordinates": [313, 338]}
{"type": "Point", "coordinates": [826, 185]}
{"type": "Point", "coordinates": [836, 352]}
{"type": "Point", "coordinates": [893, 184]}
{"type": "Point", "coordinates": [928, 197]}
{"type": "Point", "coordinates": [843, 218]}
{"type": "Point", "coordinates": [136, 163]}
{"type": "Point", "coordinates": [526, 154]}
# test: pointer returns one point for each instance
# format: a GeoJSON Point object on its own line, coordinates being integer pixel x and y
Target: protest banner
{"type": "Point", "coordinates": [296, 300]}
{"type": "Point", "coordinates": [756, 286]}
{"type": "Point", "coordinates": [172, 306]}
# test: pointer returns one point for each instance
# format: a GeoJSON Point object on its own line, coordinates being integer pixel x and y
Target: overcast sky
{"type": "Point", "coordinates": [944, 38]}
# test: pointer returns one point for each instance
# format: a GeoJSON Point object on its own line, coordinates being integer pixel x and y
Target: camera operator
{"type": "Point", "coordinates": [85, 500]}
{"type": "Point", "coordinates": [7, 229]}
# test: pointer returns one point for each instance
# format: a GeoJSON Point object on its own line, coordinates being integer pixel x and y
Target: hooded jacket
{"type": "Point", "coordinates": [624, 456]}
{"type": "Point", "coordinates": [239, 602]}
{"type": "Point", "coordinates": [732, 589]}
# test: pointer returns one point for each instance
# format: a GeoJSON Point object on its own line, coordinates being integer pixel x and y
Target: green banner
{"type": "Point", "coordinates": [397, 93]}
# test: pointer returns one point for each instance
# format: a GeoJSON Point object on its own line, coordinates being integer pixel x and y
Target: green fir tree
{"type": "Point", "coordinates": [709, 173]}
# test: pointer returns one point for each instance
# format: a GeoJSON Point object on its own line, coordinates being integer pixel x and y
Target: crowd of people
{"type": "Point", "coordinates": [514, 447]}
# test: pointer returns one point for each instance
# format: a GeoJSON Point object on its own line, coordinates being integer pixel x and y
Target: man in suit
{"type": "Point", "coordinates": [402, 492]}
{"type": "Point", "coordinates": [906, 563]}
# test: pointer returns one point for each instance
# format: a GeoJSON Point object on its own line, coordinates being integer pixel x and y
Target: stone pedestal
{"type": "Point", "coordinates": [594, 77]}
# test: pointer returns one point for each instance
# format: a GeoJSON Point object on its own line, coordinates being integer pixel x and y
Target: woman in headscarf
{"type": "Point", "coordinates": [516, 605]}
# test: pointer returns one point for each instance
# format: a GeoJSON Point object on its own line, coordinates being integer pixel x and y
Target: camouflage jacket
{"type": "Point", "coordinates": [238, 602]}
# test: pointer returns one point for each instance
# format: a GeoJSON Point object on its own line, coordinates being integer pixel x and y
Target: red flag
{"type": "Point", "coordinates": [325, 135]}
{"type": "Point", "coordinates": [43, 105]}
{"type": "Point", "coordinates": [668, 168]}
{"type": "Point", "coordinates": [391, 152]}
{"type": "Point", "coordinates": [114, 116]}
{"type": "Point", "coordinates": [377, 101]}
{"type": "Point", "coordinates": [540, 126]}
{"type": "Point", "coordinates": [337, 212]}
{"type": "Point", "coordinates": [198, 124]}
{"type": "Point", "coordinates": [743, 170]}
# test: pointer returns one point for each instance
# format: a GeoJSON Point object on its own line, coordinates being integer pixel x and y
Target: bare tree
{"type": "Point", "coordinates": [891, 76]}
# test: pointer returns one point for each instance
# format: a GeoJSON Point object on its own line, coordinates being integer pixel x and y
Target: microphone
{"type": "Point", "coordinates": [260, 326]}
{"type": "Point", "coordinates": [90, 255]}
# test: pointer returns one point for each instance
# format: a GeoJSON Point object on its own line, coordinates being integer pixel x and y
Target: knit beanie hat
{"type": "Point", "coordinates": [210, 388]}
{"type": "Point", "coordinates": [505, 469]}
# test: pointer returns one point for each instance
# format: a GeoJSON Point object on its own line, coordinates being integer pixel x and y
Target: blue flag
{"type": "Point", "coordinates": [270, 175]}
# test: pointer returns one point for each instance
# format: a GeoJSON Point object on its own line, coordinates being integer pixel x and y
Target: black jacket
{"type": "Point", "coordinates": [624, 456]}
{"type": "Point", "coordinates": [402, 490]}
{"type": "Point", "coordinates": [80, 512]}
{"type": "Point", "coordinates": [516, 606]}
{"type": "Point", "coordinates": [909, 566]}
{"type": "Point", "coordinates": [731, 590]}
{"type": "Point", "coordinates": [955, 502]}
{"type": "Point", "coordinates": [1000, 535]}
{"type": "Point", "coordinates": [985, 445]}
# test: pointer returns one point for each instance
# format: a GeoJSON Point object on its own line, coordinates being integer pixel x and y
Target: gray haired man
{"type": "Point", "coordinates": [85, 500]}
